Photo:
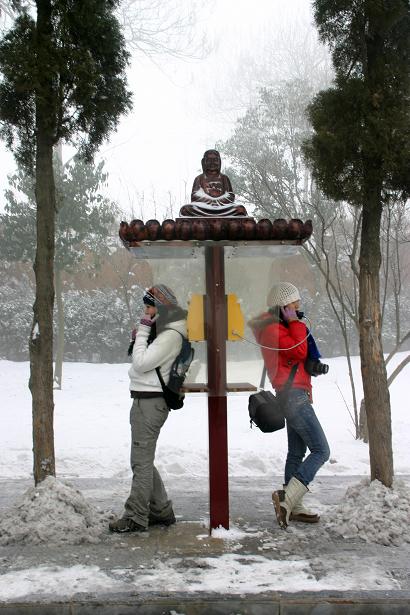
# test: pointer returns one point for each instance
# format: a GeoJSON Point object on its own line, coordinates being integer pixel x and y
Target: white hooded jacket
{"type": "Point", "coordinates": [161, 353]}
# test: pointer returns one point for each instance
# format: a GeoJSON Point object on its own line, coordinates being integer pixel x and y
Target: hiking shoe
{"type": "Point", "coordinates": [167, 521]}
{"type": "Point", "coordinates": [125, 525]}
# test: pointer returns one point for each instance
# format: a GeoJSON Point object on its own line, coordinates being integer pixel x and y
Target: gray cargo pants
{"type": "Point", "coordinates": [148, 494]}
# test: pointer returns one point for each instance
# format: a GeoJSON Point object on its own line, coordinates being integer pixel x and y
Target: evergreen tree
{"type": "Point", "coordinates": [360, 153]}
{"type": "Point", "coordinates": [63, 77]}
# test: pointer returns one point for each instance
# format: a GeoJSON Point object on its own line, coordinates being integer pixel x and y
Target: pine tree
{"type": "Point", "coordinates": [360, 153]}
{"type": "Point", "coordinates": [63, 77]}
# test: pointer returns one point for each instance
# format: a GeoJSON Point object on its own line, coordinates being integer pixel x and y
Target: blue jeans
{"type": "Point", "coordinates": [304, 432]}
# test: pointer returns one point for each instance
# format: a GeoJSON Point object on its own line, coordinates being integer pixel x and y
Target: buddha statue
{"type": "Point", "coordinates": [212, 193]}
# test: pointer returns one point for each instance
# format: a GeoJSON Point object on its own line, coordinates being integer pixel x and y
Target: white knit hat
{"type": "Point", "coordinates": [283, 294]}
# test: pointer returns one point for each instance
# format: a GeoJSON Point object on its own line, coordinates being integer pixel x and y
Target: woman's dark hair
{"type": "Point", "coordinates": [261, 321]}
{"type": "Point", "coordinates": [169, 314]}
{"type": "Point", "coordinates": [275, 312]}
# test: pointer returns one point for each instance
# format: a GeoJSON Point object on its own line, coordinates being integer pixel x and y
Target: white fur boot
{"type": "Point", "coordinates": [302, 514]}
{"type": "Point", "coordinates": [285, 501]}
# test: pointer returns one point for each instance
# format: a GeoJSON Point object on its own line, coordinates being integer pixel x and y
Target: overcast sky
{"type": "Point", "coordinates": [182, 108]}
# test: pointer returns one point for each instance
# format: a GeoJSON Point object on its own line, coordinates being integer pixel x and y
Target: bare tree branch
{"type": "Point", "coordinates": [162, 27]}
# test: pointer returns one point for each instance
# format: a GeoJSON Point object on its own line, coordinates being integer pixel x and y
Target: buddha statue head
{"type": "Point", "coordinates": [211, 162]}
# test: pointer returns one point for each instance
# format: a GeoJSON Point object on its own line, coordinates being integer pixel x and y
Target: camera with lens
{"type": "Point", "coordinates": [314, 367]}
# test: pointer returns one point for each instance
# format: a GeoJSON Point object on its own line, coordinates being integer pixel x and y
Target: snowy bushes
{"type": "Point", "coordinates": [97, 324]}
{"type": "Point", "coordinates": [16, 315]}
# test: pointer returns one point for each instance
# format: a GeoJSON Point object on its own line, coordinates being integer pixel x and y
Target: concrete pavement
{"type": "Point", "coordinates": [187, 545]}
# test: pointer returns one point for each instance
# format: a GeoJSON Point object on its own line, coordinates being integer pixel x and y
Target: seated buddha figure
{"type": "Point", "coordinates": [212, 193]}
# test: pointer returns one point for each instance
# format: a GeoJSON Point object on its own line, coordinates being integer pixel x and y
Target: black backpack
{"type": "Point", "coordinates": [173, 394]}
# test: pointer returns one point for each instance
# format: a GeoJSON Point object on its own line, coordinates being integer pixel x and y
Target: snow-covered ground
{"type": "Point", "coordinates": [92, 440]}
{"type": "Point", "coordinates": [92, 425]}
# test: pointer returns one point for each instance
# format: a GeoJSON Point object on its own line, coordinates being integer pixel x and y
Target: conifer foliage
{"type": "Point", "coordinates": [360, 153]}
{"type": "Point", "coordinates": [62, 77]}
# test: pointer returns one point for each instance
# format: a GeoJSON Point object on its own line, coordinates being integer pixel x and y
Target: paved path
{"type": "Point", "coordinates": [187, 544]}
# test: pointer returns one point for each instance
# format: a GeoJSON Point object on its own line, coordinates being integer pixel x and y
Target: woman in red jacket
{"type": "Point", "coordinates": [284, 342]}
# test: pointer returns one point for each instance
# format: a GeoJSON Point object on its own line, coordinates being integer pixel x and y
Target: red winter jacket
{"type": "Point", "coordinates": [279, 363]}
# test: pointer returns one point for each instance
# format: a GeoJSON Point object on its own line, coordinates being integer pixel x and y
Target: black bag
{"type": "Point", "coordinates": [266, 410]}
{"type": "Point", "coordinates": [173, 395]}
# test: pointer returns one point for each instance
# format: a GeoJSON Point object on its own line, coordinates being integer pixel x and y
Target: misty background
{"type": "Point", "coordinates": [226, 74]}
{"type": "Point", "coordinates": [195, 68]}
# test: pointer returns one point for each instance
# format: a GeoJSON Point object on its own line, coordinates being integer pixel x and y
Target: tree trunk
{"type": "Point", "coordinates": [374, 374]}
{"type": "Point", "coordinates": [376, 392]}
{"type": "Point", "coordinates": [363, 431]}
{"type": "Point", "coordinates": [353, 389]}
{"type": "Point", "coordinates": [41, 340]}
{"type": "Point", "coordinates": [58, 368]}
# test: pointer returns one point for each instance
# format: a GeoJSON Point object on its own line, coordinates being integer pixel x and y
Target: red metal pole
{"type": "Point", "coordinates": [216, 326]}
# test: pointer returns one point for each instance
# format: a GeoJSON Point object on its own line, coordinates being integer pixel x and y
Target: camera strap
{"type": "Point", "coordinates": [288, 382]}
{"type": "Point", "coordinates": [263, 378]}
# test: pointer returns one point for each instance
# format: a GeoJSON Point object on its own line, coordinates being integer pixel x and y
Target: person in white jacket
{"type": "Point", "coordinates": [158, 341]}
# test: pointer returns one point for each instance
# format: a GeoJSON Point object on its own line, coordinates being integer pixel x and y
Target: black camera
{"type": "Point", "coordinates": [314, 367]}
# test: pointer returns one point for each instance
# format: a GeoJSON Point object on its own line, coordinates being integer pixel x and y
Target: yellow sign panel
{"type": "Point", "coordinates": [195, 319]}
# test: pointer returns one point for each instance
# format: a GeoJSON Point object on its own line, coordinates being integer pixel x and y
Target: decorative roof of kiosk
{"type": "Point", "coordinates": [213, 215]}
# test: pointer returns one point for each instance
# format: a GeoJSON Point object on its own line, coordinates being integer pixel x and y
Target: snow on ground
{"type": "Point", "coordinates": [92, 433]}
{"type": "Point", "coordinates": [229, 573]}
{"type": "Point", "coordinates": [234, 573]}
{"type": "Point", "coordinates": [92, 440]}
{"type": "Point", "coordinates": [372, 512]}
{"type": "Point", "coordinates": [45, 581]}
{"type": "Point", "coordinates": [52, 512]}
{"type": "Point", "coordinates": [233, 533]}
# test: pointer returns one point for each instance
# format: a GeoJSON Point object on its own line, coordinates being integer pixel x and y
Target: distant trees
{"type": "Point", "coordinates": [268, 170]}
{"type": "Point", "coordinates": [101, 306]}
{"type": "Point", "coordinates": [97, 325]}
{"type": "Point", "coordinates": [360, 153]}
{"type": "Point", "coordinates": [62, 77]}
{"type": "Point", "coordinates": [84, 221]}
{"type": "Point", "coordinates": [16, 312]}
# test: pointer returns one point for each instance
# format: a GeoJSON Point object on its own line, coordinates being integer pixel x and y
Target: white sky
{"type": "Point", "coordinates": [181, 108]}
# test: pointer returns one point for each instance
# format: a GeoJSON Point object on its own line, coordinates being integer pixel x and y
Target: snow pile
{"type": "Point", "coordinates": [234, 533]}
{"type": "Point", "coordinates": [52, 512]}
{"type": "Point", "coordinates": [374, 513]}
